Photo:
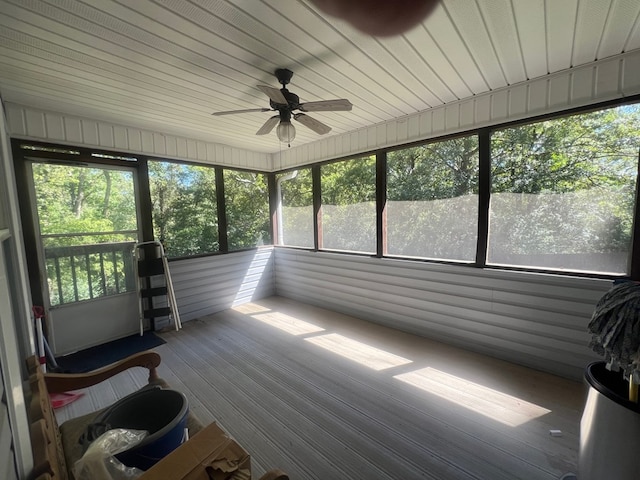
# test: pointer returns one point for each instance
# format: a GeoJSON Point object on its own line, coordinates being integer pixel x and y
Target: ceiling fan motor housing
{"type": "Point", "coordinates": [285, 103]}
{"type": "Point", "coordinates": [283, 75]}
{"type": "Point", "coordinates": [293, 101]}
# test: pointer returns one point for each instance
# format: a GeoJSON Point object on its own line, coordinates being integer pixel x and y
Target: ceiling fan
{"type": "Point", "coordinates": [284, 102]}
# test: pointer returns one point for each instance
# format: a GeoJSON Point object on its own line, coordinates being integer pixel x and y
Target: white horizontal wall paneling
{"type": "Point", "coordinates": [631, 74]}
{"type": "Point", "coordinates": [426, 122]}
{"type": "Point", "coordinates": [147, 142]}
{"type": "Point", "coordinates": [483, 110]}
{"type": "Point", "coordinates": [210, 284]}
{"type": "Point", "coordinates": [500, 105]}
{"type": "Point", "coordinates": [331, 147]}
{"type": "Point", "coordinates": [159, 144]}
{"type": "Point", "coordinates": [582, 84]}
{"type": "Point", "coordinates": [559, 91]}
{"type": "Point", "coordinates": [89, 132]}
{"type": "Point", "coordinates": [438, 120]}
{"type": "Point", "coordinates": [413, 126]}
{"type": "Point", "coordinates": [532, 319]}
{"type": "Point", "coordinates": [452, 117]}
{"type": "Point", "coordinates": [105, 135]}
{"type": "Point", "coordinates": [517, 101]}
{"type": "Point", "coordinates": [120, 138]}
{"type": "Point", "coordinates": [55, 125]}
{"type": "Point", "coordinates": [73, 130]}
{"type": "Point", "coordinates": [467, 113]}
{"type": "Point", "coordinates": [609, 79]}
{"type": "Point", "coordinates": [134, 136]}
{"type": "Point", "coordinates": [614, 77]}
{"type": "Point", "coordinates": [16, 119]}
{"type": "Point", "coordinates": [192, 149]}
{"type": "Point", "coordinates": [34, 124]}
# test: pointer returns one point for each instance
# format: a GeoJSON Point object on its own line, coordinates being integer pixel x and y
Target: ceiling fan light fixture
{"type": "Point", "coordinates": [286, 103]}
{"type": "Point", "coordinates": [286, 131]}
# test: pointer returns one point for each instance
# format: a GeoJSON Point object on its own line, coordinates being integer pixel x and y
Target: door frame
{"type": "Point", "coordinates": [57, 325]}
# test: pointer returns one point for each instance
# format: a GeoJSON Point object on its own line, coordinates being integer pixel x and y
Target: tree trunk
{"type": "Point", "coordinates": [107, 193]}
{"type": "Point", "coordinates": [78, 201]}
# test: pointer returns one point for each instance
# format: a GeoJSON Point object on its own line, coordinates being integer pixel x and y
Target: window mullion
{"type": "Point", "coordinates": [223, 241]}
{"type": "Point", "coordinates": [381, 204]}
{"type": "Point", "coordinates": [484, 195]}
{"type": "Point", "coordinates": [273, 209]}
{"type": "Point", "coordinates": [317, 207]}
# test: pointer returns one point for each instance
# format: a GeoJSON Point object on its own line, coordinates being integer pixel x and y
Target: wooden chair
{"type": "Point", "coordinates": [56, 449]}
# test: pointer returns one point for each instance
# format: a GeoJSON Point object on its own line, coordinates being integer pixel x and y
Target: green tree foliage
{"type": "Point", "coordinates": [432, 208]}
{"type": "Point", "coordinates": [185, 216]}
{"type": "Point", "coordinates": [247, 208]}
{"type": "Point", "coordinates": [78, 207]}
{"type": "Point", "coordinates": [349, 182]}
{"type": "Point", "coordinates": [567, 154]}
{"type": "Point", "coordinates": [348, 204]}
{"type": "Point", "coordinates": [297, 208]}
{"type": "Point", "coordinates": [438, 170]}
{"type": "Point", "coordinates": [563, 190]}
{"type": "Point", "coordinates": [185, 208]}
{"type": "Point", "coordinates": [298, 191]}
{"type": "Point", "coordinates": [78, 199]}
{"type": "Point", "coordinates": [562, 196]}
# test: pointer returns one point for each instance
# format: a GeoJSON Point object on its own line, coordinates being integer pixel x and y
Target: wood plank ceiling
{"type": "Point", "coordinates": [166, 65]}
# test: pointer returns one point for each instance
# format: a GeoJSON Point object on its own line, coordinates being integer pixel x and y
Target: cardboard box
{"type": "Point", "coordinates": [209, 454]}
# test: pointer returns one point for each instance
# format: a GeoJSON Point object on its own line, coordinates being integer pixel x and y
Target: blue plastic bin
{"type": "Point", "coordinates": [162, 412]}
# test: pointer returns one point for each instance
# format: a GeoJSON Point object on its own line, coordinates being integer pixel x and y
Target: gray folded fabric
{"type": "Point", "coordinates": [615, 328]}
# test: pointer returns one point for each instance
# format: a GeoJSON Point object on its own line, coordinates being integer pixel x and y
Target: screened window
{"type": "Point", "coordinates": [349, 205]}
{"type": "Point", "coordinates": [563, 192]}
{"type": "Point", "coordinates": [296, 208]}
{"type": "Point", "coordinates": [247, 209]}
{"type": "Point", "coordinates": [87, 223]}
{"type": "Point", "coordinates": [432, 200]}
{"type": "Point", "coordinates": [185, 217]}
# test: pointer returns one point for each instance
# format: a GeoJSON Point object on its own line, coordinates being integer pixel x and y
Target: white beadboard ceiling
{"type": "Point", "coordinates": [166, 65]}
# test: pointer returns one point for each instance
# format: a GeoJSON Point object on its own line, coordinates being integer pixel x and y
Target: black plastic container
{"type": "Point", "coordinates": [610, 384]}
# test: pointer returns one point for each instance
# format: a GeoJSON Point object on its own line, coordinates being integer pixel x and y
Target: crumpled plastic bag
{"type": "Point", "coordinates": [99, 462]}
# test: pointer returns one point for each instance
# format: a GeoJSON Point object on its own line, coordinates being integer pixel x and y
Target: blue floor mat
{"type": "Point", "coordinates": [107, 353]}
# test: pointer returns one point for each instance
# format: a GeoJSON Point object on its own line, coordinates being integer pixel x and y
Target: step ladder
{"type": "Point", "coordinates": [151, 266]}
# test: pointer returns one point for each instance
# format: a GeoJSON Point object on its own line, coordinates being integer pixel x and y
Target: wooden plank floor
{"type": "Point", "coordinates": [326, 396]}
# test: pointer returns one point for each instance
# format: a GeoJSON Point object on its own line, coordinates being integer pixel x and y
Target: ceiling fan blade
{"type": "Point", "coordinates": [231, 112]}
{"type": "Point", "coordinates": [268, 125]}
{"type": "Point", "coordinates": [335, 105]}
{"type": "Point", "coordinates": [274, 94]}
{"type": "Point", "coordinates": [310, 122]}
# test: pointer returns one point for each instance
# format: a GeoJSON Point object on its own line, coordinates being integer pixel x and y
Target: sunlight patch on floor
{"type": "Point", "coordinates": [506, 409]}
{"type": "Point", "coordinates": [250, 308]}
{"type": "Point", "coordinates": [359, 352]}
{"type": "Point", "coordinates": [501, 407]}
{"type": "Point", "coordinates": [287, 323]}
